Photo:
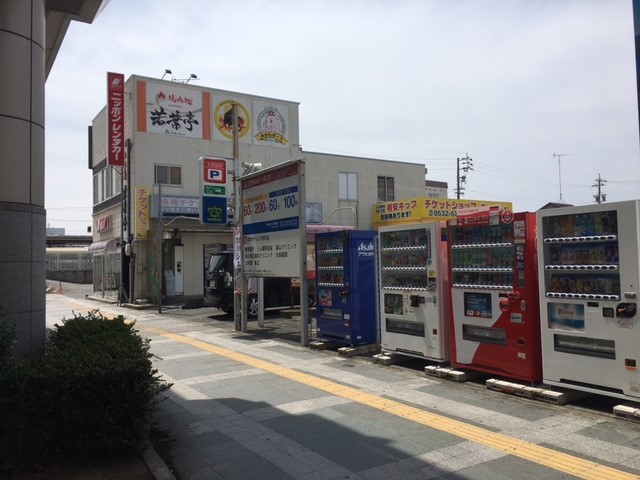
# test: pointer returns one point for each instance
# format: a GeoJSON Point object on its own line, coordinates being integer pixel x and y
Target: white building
{"type": "Point", "coordinates": [169, 127]}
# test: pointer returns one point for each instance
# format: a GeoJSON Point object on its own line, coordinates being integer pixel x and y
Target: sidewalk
{"type": "Point", "coordinates": [258, 405]}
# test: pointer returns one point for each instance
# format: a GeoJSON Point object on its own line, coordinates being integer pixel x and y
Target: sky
{"type": "Point", "coordinates": [540, 95]}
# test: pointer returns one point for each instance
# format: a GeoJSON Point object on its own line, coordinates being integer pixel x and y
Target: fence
{"type": "Point", "coordinates": [69, 264]}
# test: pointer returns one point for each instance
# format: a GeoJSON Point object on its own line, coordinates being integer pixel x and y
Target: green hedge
{"type": "Point", "coordinates": [93, 390]}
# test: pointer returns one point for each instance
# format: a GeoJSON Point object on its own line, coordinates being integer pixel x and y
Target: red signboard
{"type": "Point", "coordinates": [115, 115]}
{"type": "Point", "coordinates": [484, 216]}
{"type": "Point", "coordinates": [214, 170]}
{"type": "Point", "coordinates": [104, 224]}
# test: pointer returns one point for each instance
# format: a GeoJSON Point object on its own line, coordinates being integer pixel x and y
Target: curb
{"type": "Point", "coordinates": [156, 465]}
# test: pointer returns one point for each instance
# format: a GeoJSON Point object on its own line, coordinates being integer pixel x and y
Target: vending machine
{"type": "Point", "coordinates": [495, 316]}
{"type": "Point", "coordinates": [346, 287]}
{"type": "Point", "coordinates": [414, 290]}
{"type": "Point", "coordinates": [589, 276]}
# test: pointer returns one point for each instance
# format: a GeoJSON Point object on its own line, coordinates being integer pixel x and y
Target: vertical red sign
{"type": "Point", "coordinates": [115, 124]}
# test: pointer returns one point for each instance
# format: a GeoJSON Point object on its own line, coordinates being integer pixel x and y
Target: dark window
{"type": "Point", "coordinates": [168, 175]}
{"type": "Point", "coordinates": [386, 190]}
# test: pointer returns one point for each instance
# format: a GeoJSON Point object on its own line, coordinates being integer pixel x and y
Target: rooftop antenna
{"type": "Point", "coordinates": [559, 156]}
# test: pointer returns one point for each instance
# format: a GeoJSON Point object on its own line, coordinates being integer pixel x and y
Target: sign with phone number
{"type": "Point", "coordinates": [425, 209]}
{"type": "Point", "coordinates": [271, 205]}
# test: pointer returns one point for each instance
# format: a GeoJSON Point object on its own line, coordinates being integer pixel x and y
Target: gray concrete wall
{"type": "Point", "coordinates": [22, 214]}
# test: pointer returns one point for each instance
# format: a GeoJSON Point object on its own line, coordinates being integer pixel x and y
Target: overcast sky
{"type": "Point", "coordinates": [510, 83]}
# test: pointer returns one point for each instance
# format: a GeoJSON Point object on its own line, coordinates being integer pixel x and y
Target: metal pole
{"type": "Point", "coordinates": [304, 286]}
{"type": "Point", "coordinates": [159, 274]}
{"type": "Point", "coordinates": [237, 249]}
{"type": "Point", "coordinates": [458, 179]}
{"type": "Point", "coordinates": [122, 220]}
{"type": "Point", "coordinates": [132, 270]}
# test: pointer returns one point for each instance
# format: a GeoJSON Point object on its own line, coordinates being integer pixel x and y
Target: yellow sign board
{"type": "Point", "coordinates": [142, 216]}
{"type": "Point", "coordinates": [426, 209]}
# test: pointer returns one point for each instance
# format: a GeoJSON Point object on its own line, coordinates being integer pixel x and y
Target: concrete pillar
{"type": "Point", "coordinates": [22, 214]}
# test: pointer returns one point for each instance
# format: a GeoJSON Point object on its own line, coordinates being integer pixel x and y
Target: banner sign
{"type": "Point", "coordinates": [115, 119]}
{"type": "Point", "coordinates": [142, 214]}
{"type": "Point", "coordinates": [426, 209]}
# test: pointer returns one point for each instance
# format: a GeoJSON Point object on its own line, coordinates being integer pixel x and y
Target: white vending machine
{"type": "Point", "coordinates": [589, 285]}
{"type": "Point", "coordinates": [414, 296]}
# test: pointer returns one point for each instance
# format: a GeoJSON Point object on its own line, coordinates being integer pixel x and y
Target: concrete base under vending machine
{"type": "Point", "coordinates": [533, 393]}
{"type": "Point", "coordinates": [388, 358]}
{"type": "Point", "coordinates": [627, 411]}
{"type": "Point", "coordinates": [342, 350]}
{"type": "Point", "coordinates": [451, 373]}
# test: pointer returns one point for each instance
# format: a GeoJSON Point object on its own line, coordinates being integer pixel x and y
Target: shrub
{"type": "Point", "coordinates": [7, 342]}
{"type": "Point", "coordinates": [92, 391]}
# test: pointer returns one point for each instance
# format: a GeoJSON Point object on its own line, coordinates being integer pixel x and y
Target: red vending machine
{"type": "Point", "coordinates": [495, 316]}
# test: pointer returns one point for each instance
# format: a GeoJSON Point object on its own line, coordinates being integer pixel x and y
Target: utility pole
{"type": "Point", "coordinates": [559, 156]}
{"type": "Point", "coordinates": [600, 197]}
{"type": "Point", "coordinates": [467, 164]}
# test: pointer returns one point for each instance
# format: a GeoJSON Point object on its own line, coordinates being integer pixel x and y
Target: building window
{"type": "Point", "coordinates": [386, 190]}
{"type": "Point", "coordinates": [168, 175]}
{"type": "Point", "coordinates": [106, 184]}
{"type": "Point", "coordinates": [348, 186]}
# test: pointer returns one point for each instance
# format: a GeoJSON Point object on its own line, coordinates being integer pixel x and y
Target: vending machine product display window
{"type": "Point", "coordinates": [414, 290]}
{"type": "Point", "coordinates": [589, 275]}
{"type": "Point", "coordinates": [495, 320]}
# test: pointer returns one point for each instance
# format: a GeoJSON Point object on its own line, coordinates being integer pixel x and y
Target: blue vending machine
{"type": "Point", "coordinates": [346, 287]}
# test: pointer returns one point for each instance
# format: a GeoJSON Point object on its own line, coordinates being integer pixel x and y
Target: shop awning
{"type": "Point", "coordinates": [103, 246]}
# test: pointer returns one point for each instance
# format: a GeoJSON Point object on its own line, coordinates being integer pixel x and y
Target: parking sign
{"type": "Point", "coordinates": [214, 170]}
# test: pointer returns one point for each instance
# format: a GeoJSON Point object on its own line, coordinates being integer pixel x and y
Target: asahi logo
{"type": "Point", "coordinates": [365, 249]}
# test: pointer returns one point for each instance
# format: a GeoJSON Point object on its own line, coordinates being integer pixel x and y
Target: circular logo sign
{"type": "Point", "coordinates": [506, 216]}
{"type": "Point", "coordinates": [223, 119]}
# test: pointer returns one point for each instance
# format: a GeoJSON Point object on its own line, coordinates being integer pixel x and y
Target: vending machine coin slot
{"type": "Point", "coordinates": [626, 310]}
{"type": "Point", "coordinates": [521, 341]}
{"type": "Point", "coordinates": [415, 301]}
{"type": "Point", "coordinates": [630, 363]}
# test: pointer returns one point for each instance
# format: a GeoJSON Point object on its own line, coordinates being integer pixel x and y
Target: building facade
{"type": "Point", "coordinates": [156, 219]}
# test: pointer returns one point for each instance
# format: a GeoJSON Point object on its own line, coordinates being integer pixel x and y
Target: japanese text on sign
{"type": "Point", "coordinates": [271, 222]}
{"type": "Point", "coordinates": [115, 119]}
{"type": "Point", "coordinates": [426, 208]}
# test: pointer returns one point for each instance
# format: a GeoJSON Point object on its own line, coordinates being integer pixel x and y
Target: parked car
{"type": "Point", "coordinates": [219, 291]}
